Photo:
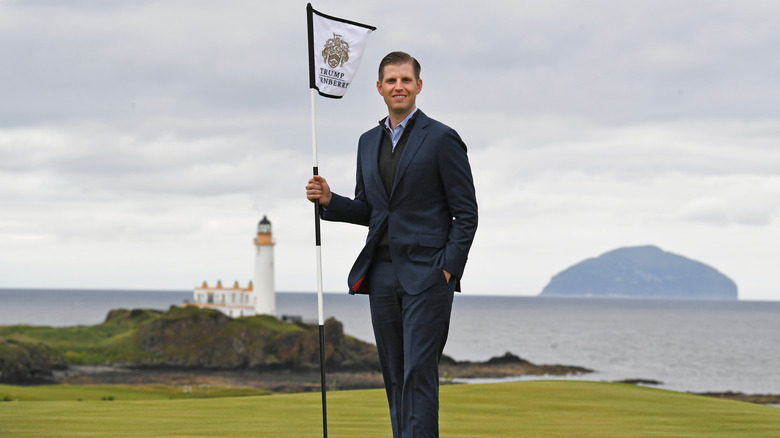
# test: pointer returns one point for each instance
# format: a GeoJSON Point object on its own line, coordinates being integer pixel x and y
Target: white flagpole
{"type": "Point", "coordinates": [317, 212]}
{"type": "Point", "coordinates": [334, 84]}
{"type": "Point", "coordinates": [318, 247]}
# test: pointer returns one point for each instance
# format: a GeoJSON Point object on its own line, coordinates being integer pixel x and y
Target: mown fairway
{"type": "Point", "coordinates": [520, 409]}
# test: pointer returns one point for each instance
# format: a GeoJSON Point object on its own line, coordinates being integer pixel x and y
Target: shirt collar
{"type": "Point", "coordinates": [403, 123]}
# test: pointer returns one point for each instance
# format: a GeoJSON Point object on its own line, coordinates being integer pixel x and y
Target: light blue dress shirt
{"type": "Point", "coordinates": [395, 134]}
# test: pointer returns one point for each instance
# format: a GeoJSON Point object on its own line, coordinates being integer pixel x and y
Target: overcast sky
{"type": "Point", "coordinates": [142, 141]}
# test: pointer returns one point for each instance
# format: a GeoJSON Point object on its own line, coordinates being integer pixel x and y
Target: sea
{"type": "Point", "coordinates": [685, 345]}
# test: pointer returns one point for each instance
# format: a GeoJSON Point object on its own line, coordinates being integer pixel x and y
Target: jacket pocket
{"type": "Point", "coordinates": [431, 241]}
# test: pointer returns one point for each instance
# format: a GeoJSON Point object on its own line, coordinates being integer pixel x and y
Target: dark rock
{"type": "Point", "coordinates": [507, 365]}
{"type": "Point", "coordinates": [507, 358]}
{"type": "Point", "coordinates": [765, 399]}
{"type": "Point", "coordinates": [207, 339]}
{"type": "Point", "coordinates": [22, 363]}
{"type": "Point", "coordinates": [447, 360]}
{"type": "Point", "coordinates": [641, 272]}
{"type": "Point", "coordinates": [640, 382]}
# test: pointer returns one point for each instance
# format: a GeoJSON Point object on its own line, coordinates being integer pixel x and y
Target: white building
{"type": "Point", "coordinates": [258, 298]}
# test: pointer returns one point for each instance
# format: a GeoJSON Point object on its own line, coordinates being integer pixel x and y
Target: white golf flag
{"type": "Point", "coordinates": [335, 49]}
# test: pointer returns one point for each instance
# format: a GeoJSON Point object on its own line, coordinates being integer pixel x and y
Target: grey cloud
{"type": "Point", "coordinates": [600, 122]}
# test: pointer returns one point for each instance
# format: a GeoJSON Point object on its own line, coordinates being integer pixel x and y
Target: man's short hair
{"type": "Point", "coordinates": [395, 58]}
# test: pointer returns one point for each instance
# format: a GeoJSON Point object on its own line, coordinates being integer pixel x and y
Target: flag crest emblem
{"type": "Point", "coordinates": [336, 51]}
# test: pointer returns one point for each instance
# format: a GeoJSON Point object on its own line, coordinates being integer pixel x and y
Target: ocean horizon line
{"type": "Point", "coordinates": [466, 294]}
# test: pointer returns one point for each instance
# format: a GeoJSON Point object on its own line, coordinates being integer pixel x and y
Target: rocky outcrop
{"type": "Point", "coordinates": [207, 339]}
{"type": "Point", "coordinates": [642, 272]}
{"type": "Point", "coordinates": [507, 365]}
{"type": "Point", "coordinates": [186, 338]}
{"type": "Point", "coordinates": [28, 363]}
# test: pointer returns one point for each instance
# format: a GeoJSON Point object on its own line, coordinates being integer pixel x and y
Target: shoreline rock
{"type": "Point", "coordinates": [508, 365]}
{"type": "Point", "coordinates": [763, 399]}
{"type": "Point", "coordinates": [27, 363]}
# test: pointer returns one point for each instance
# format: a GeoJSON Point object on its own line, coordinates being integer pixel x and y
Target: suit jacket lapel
{"type": "Point", "coordinates": [371, 157]}
{"type": "Point", "coordinates": [413, 144]}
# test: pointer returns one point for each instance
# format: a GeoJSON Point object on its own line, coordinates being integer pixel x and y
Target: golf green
{"type": "Point", "coordinates": [518, 409]}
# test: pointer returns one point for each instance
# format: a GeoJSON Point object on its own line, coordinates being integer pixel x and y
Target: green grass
{"type": "Point", "coordinates": [120, 392]}
{"type": "Point", "coordinates": [532, 409]}
{"type": "Point", "coordinates": [96, 344]}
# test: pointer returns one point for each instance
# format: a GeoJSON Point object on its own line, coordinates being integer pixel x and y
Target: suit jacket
{"type": "Point", "coordinates": [430, 215]}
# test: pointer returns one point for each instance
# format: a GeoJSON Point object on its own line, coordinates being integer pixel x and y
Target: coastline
{"type": "Point", "coordinates": [285, 382]}
{"type": "Point", "coordinates": [619, 339]}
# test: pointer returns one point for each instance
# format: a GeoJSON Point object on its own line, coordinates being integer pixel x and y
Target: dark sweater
{"type": "Point", "coordinates": [388, 167]}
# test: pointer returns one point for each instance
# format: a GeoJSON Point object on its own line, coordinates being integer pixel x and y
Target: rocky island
{"type": "Point", "coordinates": [642, 272]}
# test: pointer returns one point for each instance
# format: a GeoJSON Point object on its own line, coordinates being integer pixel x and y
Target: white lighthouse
{"type": "Point", "coordinates": [258, 298]}
{"type": "Point", "coordinates": [265, 296]}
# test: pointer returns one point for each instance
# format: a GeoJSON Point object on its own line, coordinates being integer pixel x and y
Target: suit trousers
{"type": "Point", "coordinates": [410, 332]}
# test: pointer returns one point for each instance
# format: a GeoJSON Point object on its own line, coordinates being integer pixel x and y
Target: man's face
{"type": "Point", "coordinates": [399, 88]}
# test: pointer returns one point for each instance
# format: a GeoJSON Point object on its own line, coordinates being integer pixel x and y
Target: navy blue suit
{"type": "Point", "coordinates": [431, 218]}
{"type": "Point", "coordinates": [431, 214]}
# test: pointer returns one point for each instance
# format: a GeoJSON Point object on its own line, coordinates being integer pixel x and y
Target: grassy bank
{"type": "Point", "coordinates": [536, 409]}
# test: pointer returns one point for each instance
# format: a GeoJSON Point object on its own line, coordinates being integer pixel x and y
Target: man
{"type": "Point", "coordinates": [415, 193]}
